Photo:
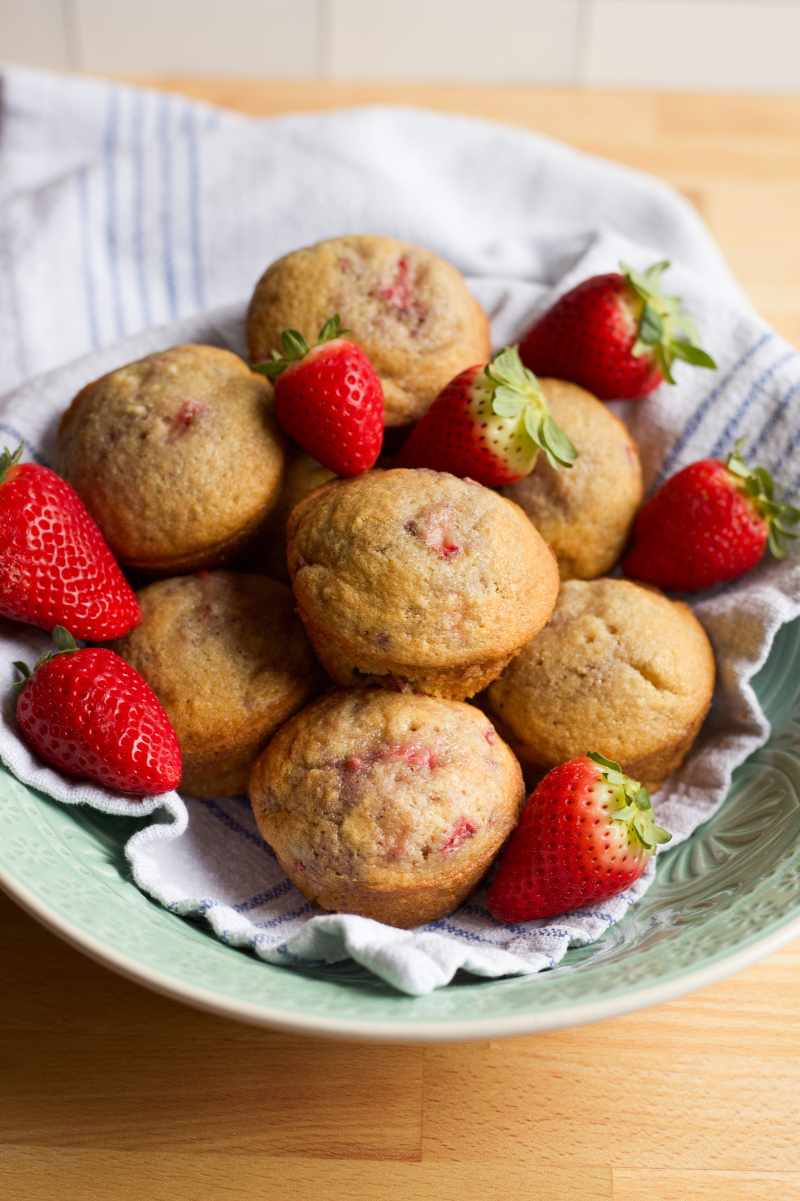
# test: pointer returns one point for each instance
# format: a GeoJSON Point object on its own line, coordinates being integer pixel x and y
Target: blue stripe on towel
{"type": "Point", "coordinates": [14, 433]}
{"type": "Point", "coordinates": [193, 149]}
{"type": "Point", "coordinates": [694, 422]}
{"type": "Point", "coordinates": [231, 823]}
{"type": "Point", "coordinates": [166, 204]}
{"type": "Point", "coordinates": [724, 442]}
{"type": "Point", "coordinates": [261, 898]}
{"type": "Point", "coordinates": [112, 218]}
{"type": "Point", "coordinates": [792, 446]}
{"type": "Point", "coordinates": [773, 420]}
{"type": "Point", "coordinates": [90, 293]}
{"type": "Point", "coordinates": [139, 241]}
{"type": "Point", "coordinates": [272, 922]}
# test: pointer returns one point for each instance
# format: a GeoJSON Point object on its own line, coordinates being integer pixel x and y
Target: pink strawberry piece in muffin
{"type": "Point", "coordinates": [436, 526]}
{"type": "Point", "coordinates": [185, 417]}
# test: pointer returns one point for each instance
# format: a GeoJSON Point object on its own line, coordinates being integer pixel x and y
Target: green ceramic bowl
{"type": "Point", "coordinates": [723, 899]}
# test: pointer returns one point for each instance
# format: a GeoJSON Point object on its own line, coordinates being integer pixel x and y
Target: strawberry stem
{"type": "Point", "coordinates": [516, 393]}
{"type": "Point", "coordinates": [9, 459]}
{"type": "Point", "coordinates": [21, 676]}
{"type": "Point", "coordinates": [633, 804]}
{"type": "Point", "coordinates": [64, 640]}
{"type": "Point", "coordinates": [666, 331]}
{"type": "Point", "coordinates": [65, 645]}
{"type": "Point", "coordinates": [757, 484]}
{"type": "Point", "coordinates": [295, 347]}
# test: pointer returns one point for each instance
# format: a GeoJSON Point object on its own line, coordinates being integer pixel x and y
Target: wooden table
{"type": "Point", "coordinates": [108, 1092]}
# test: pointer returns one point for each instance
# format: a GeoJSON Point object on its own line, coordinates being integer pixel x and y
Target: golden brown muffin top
{"type": "Point", "coordinates": [225, 654]}
{"type": "Point", "coordinates": [370, 785]}
{"type": "Point", "coordinates": [618, 669]}
{"type": "Point", "coordinates": [174, 453]}
{"type": "Point", "coordinates": [584, 513]}
{"type": "Point", "coordinates": [410, 310]}
{"type": "Point", "coordinates": [427, 568]}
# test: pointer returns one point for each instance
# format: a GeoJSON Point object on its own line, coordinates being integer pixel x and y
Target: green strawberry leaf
{"type": "Point", "coordinates": [508, 403]}
{"type": "Point", "coordinates": [758, 486]}
{"type": "Point", "coordinates": [665, 331]}
{"type": "Point", "coordinates": [633, 805]}
{"type": "Point", "coordinates": [651, 327]}
{"type": "Point", "coordinates": [601, 761]}
{"type": "Point", "coordinates": [63, 640]}
{"type": "Point", "coordinates": [682, 348]}
{"type": "Point", "coordinates": [294, 347]}
{"type": "Point", "coordinates": [516, 396]}
{"type": "Point", "coordinates": [9, 459]}
{"type": "Point", "coordinates": [330, 330]}
{"type": "Point", "coordinates": [293, 344]}
{"type": "Point", "coordinates": [506, 368]}
{"type": "Point", "coordinates": [557, 445]}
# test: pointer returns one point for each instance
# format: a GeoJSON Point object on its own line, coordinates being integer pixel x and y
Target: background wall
{"type": "Point", "coordinates": [695, 44]}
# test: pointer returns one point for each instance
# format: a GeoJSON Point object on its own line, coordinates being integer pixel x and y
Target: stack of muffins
{"type": "Point", "coordinates": [340, 701]}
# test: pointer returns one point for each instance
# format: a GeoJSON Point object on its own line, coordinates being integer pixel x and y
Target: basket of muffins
{"type": "Point", "coordinates": [403, 592]}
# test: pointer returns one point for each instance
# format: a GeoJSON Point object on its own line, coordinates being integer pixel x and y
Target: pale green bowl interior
{"type": "Point", "coordinates": [732, 885]}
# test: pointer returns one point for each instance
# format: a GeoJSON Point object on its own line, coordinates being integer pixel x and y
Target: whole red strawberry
{"type": "Point", "coordinates": [616, 335]}
{"type": "Point", "coordinates": [709, 523]}
{"type": "Point", "coordinates": [489, 423]}
{"type": "Point", "coordinates": [586, 833]}
{"type": "Point", "coordinates": [56, 567]}
{"type": "Point", "coordinates": [91, 716]}
{"type": "Point", "coordinates": [328, 398]}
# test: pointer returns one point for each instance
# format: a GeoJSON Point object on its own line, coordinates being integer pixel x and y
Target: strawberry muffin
{"type": "Point", "coordinates": [229, 662]}
{"type": "Point", "coordinates": [410, 310]}
{"type": "Point", "coordinates": [417, 580]}
{"type": "Point", "coordinates": [619, 669]}
{"type": "Point", "coordinates": [385, 805]}
{"type": "Point", "coordinates": [176, 456]}
{"type": "Point", "coordinates": [584, 514]}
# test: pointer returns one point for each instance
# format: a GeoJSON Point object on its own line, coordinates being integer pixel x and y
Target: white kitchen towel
{"type": "Point", "coordinates": [119, 207]}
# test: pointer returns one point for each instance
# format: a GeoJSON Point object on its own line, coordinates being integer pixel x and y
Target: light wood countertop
{"type": "Point", "coordinates": [109, 1092]}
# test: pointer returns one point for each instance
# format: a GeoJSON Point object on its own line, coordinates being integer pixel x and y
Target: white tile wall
{"type": "Point", "coordinates": [498, 40]}
{"type": "Point", "coordinates": [700, 44]}
{"type": "Point", "coordinates": [36, 33]}
{"type": "Point", "coordinates": [747, 44]}
{"type": "Point", "coordinates": [276, 38]}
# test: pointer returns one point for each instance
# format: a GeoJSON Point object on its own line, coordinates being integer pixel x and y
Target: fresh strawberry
{"type": "Point", "coordinates": [489, 423]}
{"type": "Point", "coordinates": [91, 716]}
{"type": "Point", "coordinates": [616, 335]}
{"type": "Point", "coordinates": [328, 398]}
{"type": "Point", "coordinates": [55, 566]}
{"type": "Point", "coordinates": [709, 523]}
{"type": "Point", "coordinates": [586, 833]}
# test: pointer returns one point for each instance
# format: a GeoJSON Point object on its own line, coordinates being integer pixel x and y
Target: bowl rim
{"type": "Point", "coordinates": [750, 951]}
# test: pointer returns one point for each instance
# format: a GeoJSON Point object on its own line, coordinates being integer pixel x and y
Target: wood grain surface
{"type": "Point", "coordinates": [111, 1093]}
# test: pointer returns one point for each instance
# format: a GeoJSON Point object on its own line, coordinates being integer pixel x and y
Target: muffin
{"type": "Point", "coordinates": [303, 474]}
{"type": "Point", "coordinates": [229, 661]}
{"type": "Point", "coordinates": [619, 669]}
{"type": "Point", "coordinates": [417, 580]}
{"type": "Point", "coordinates": [410, 310]}
{"type": "Point", "coordinates": [584, 514]}
{"type": "Point", "coordinates": [386, 805]}
{"type": "Point", "coordinates": [176, 456]}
